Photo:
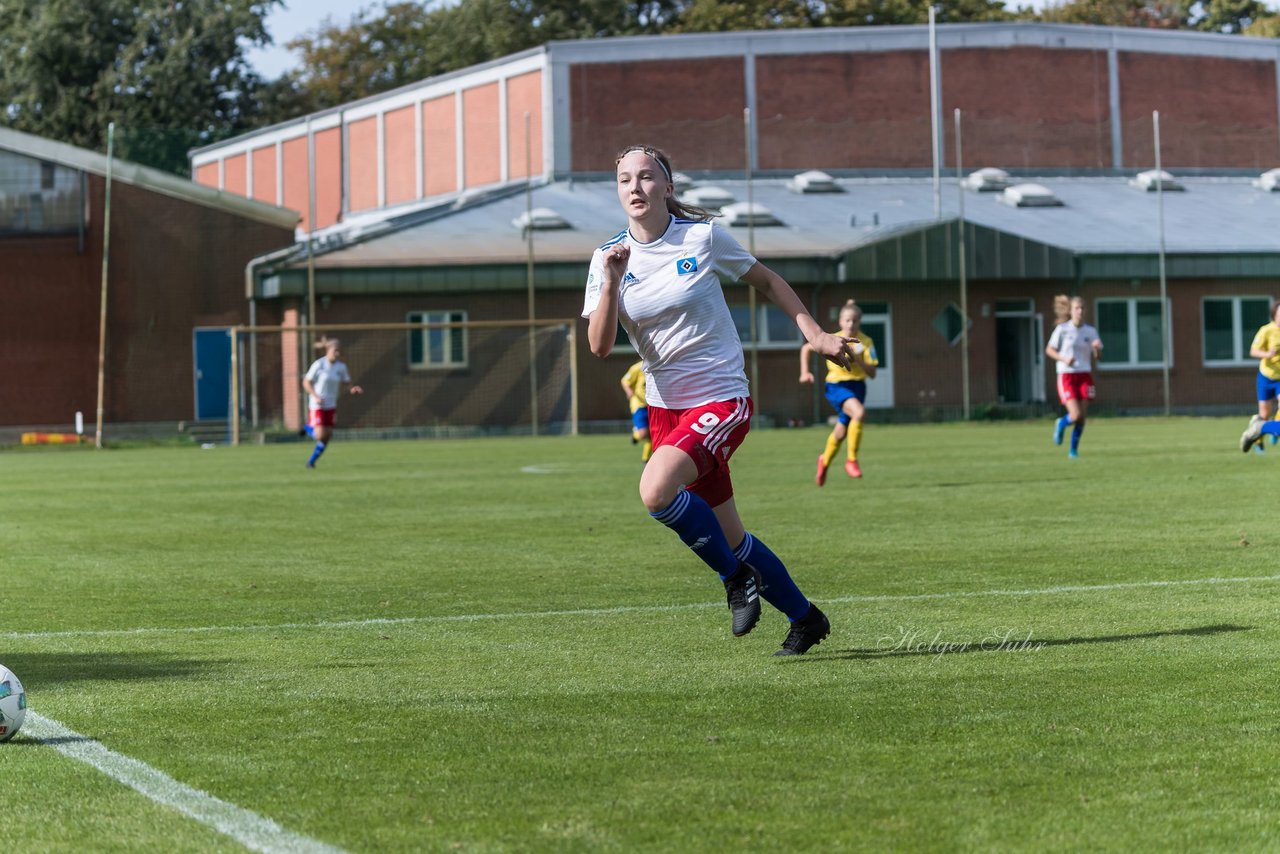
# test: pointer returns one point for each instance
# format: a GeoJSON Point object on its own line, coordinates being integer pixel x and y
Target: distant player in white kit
{"type": "Point", "coordinates": [1073, 346]}
{"type": "Point", "coordinates": [323, 382]}
{"type": "Point", "coordinates": [659, 278]}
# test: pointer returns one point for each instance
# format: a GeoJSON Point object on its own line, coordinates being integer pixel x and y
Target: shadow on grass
{"type": "Point", "coordinates": [915, 643]}
{"type": "Point", "coordinates": [42, 670]}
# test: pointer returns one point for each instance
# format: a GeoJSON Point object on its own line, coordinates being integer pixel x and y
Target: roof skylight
{"type": "Point", "coordinates": [1030, 196]}
{"type": "Point", "coordinates": [540, 219]}
{"type": "Point", "coordinates": [748, 213]}
{"type": "Point", "coordinates": [814, 181]}
{"type": "Point", "coordinates": [987, 180]}
{"type": "Point", "coordinates": [1156, 179]}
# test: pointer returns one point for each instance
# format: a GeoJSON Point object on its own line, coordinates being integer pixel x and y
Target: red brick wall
{"type": "Point", "coordinates": [399, 141]}
{"type": "Point", "coordinates": [1057, 115]}
{"type": "Point", "coordinates": [235, 174]}
{"type": "Point", "coordinates": [174, 265]}
{"type": "Point", "coordinates": [524, 95]}
{"type": "Point", "coordinates": [691, 108]}
{"type": "Point", "coordinates": [362, 164]}
{"type": "Point", "coordinates": [482, 163]}
{"type": "Point", "coordinates": [264, 174]}
{"type": "Point", "coordinates": [843, 110]}
{"type": "Point", "coordinates": [296, 176]}
{"type": "Point", "coordinates": [207, 175]}
{"type": "Point", "coordinates": [439, 146]}
{"type": "Point", "coordinates": [1213, 111]}
{"type": "Point", "coordinates": [328, 150]}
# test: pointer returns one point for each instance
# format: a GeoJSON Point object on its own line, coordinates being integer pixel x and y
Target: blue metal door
{"type": "Point", "coordinates": [212, 348]}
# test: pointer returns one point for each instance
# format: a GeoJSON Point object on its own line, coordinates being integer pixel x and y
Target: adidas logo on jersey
{"type": "Point", "coordinates": [630, 278]}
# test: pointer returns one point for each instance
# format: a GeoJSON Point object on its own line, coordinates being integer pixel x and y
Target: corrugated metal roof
{"type": "Point", "coordinates": [136, 175]}
{"type": "Point", "coordinates": [1100, 216]}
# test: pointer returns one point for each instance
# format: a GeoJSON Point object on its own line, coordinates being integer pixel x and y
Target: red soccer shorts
{"type": "Point", "coordinates": [323, 417]}
{"type": "Point", "coordinates": [709, 434]}
{"type": "Point", "coordinates": [1076, 387]}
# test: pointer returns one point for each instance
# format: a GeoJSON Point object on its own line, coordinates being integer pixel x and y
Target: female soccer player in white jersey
{"type": "Point", "coordinates": [659, 278]}
{"type": "Point", "coordinates": [1073, 345]}
{"type": "Point", "coordinates": [323, 382]}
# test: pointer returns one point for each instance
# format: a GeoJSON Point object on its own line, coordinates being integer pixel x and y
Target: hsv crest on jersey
{"type": "Point", "coordinates": [685, 266]}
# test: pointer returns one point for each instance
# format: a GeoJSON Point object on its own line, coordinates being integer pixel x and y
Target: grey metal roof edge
{"type": "Point", "coordinates": [400, 221]}
{"type": "Point", "coordinates": [144, 177]}
{"type": "Point", "coordinates": [368, 99]}
{"type": "Point", "coordinates": [912, 37]}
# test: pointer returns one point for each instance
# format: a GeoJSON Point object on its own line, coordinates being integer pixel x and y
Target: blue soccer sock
{"type": "Point", "coordinates": [698, 528]}
{"type": "Point", "coordinates": [1064, 422]}
{"type": "Point", "coordinates": [1272, 427]}
{"type": "Point", "coordinates": [311, 431]}
{"type": "Point", "coordinates": [315, 455]}
{"type": "Point", "coordinates": [1075, 434]}
{"type": "Point", "coordinates": [776, 585]}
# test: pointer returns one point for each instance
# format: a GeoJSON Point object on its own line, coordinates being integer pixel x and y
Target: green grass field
{"type": "Point", "coordinates": [486, 645]}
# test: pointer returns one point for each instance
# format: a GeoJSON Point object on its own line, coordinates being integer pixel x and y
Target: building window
{"type": "Point", "coordinates": [438, 346]}
{"type": "Point", "coordinates": [38, 197]}
{"type": "Point", "coordinates": [1130, 332]}
{"type": "Point", "coordinates": [1229, 324]}
{"type": "Point", "coordinates": [775, 330]}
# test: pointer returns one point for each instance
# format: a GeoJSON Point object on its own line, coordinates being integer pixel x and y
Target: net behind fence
{"type": "Point", "coordinates": [418, 380]}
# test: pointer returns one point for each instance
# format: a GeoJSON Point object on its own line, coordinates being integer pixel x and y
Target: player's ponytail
{"type": "Point", "coordinates": [683, 210]}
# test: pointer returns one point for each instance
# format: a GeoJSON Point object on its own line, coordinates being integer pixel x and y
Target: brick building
{"type": "Point", "coordinates": [177, 259]}
{"type": "Point", "coordinates": [416, 190]}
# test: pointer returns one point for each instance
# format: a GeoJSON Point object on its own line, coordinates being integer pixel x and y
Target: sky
{"type": "Point", "coordinates": [297, 18]}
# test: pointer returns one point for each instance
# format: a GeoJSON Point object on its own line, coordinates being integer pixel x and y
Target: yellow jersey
{"type": "Point", "coordinates": [1268, 338]}
{"type": "Point", "coordinates": [837, 374]}
{"type": "Point", "coordinates": [634, 377]}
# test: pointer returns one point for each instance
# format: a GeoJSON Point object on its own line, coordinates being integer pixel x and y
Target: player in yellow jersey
{"type": "Point", "coordinates": [633, 388]}
{"type": "Point", "coordinates": [846, 390]}
{"type": "Point", "coordinates": [1265, 348]}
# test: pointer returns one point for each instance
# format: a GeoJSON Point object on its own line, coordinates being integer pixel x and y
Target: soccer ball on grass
{"type": "Point", "coordinates": [13, 704]}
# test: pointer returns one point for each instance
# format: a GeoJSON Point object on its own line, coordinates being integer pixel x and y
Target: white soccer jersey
{"type": "Point", "coordinates": [672, 306]}
{"type": "Point", "coordinates": [1077, 342]}
{"type": "Point", "coordinates": [327, 379]}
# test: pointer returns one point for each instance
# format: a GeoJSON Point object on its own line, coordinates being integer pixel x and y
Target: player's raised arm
{"type": "Point", "coordinates": [602, 326]}
{"type": "Point", "coordinates": [776, 290]}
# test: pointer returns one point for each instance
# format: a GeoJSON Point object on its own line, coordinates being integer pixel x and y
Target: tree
{"type": "Point", "coordinates": [1264, 26]}
{"type": "Point", "coordinates": [171, 75]}
{"type": "Point", "coordinates": [1157, 14]}
{"type": "Point", "coordinates": [1226, 16]}
{"type": "Point", "coordinates": [403, 42]}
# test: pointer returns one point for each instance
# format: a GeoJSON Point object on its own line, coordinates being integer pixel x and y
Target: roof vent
{"type": "Point", "coordinates": [540, 219]}
{"type": "Point", "coordinates": [748, 213]}
{"type": "Point", "coordinates": [1155, 179]}
{"type": "Point", "coordinates": [1030, 196]}
{"type": "Point", "coordinates": [681, 182]}
{"type": "Point", "coordinates": [987, 180]}
{"type": "Point", "coordinates": [711, 198]}
{"type": "Point", "coordinates": [814, 181]}
{"type": "Point", "coordinates": [1269, 181]}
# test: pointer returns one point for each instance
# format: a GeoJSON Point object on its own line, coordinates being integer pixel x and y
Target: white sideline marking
{"type": "Point", "coordinates": [248, 828]}
{"type": "Point", "coordinates": [624, 609]}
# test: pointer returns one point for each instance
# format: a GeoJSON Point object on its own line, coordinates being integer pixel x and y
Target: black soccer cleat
{"type": "Point", "coordinates": [806, 633]}
{"type": "Point", "coordinates": [743, 592]}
